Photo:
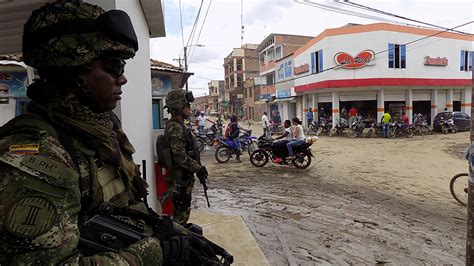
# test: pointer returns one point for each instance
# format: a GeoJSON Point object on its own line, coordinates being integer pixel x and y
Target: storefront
{"type": "Point", "coordinates": [383, 67]}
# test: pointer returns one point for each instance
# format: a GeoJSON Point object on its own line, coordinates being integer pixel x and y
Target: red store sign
{"type": "Point", "coordinates": [301, 69]}
{"type": "Point", "coordinates": [346, 60]}
{"type": "Point", "coordinates": [430, 61]}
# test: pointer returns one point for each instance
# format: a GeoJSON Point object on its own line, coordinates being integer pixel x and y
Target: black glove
{"type": "Point", "coordinates": [202, 174]}
{"type": "Point", "coordinates": [183, 247]}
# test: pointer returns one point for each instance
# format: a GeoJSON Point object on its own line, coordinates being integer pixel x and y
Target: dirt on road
{"type": "Point", "coordinates": [362, 201]}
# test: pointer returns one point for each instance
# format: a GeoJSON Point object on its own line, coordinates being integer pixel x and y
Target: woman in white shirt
{"type": "Point", "coordinates": [298, 136]}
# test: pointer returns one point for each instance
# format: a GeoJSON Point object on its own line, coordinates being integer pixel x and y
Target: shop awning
{"type": "Point", "coordinates": [283, 99]}
{"type": "Point", "coordinates": [262, 101]}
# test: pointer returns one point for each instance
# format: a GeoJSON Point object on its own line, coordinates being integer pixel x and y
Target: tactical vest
{"type": "Point", "coordinates": [99, 181]}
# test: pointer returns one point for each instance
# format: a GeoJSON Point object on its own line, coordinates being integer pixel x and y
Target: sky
{"type": "Point", "coordinates": [219, 32]}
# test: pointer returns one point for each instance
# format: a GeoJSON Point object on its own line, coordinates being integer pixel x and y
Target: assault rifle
{"type": "Point", "coordinates": [104, 232]}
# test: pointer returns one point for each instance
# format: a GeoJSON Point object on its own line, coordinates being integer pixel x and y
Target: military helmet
{"type": "Point", "coordinates": [70, 33]}
{"type": "Point", "coordinates": [177, 99]}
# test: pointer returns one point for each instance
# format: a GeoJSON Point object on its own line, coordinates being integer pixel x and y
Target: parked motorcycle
{"type": "Point", "coordinates": [356, 128]}
{"type": "Point", "coordinates": [208, 136]}
{"type": "Point", "coordinates": [447, 125]}
{"type": "Point", "coordinates": [268, 150]}
{"type": "Point", "coordinates": [376, 129]}
{"type": "Point", "coordinates": [397, 130]}
{"type": "Point", "coordinates": [338, 128]}
{"type": "Point", "coordinates": [421, 125]}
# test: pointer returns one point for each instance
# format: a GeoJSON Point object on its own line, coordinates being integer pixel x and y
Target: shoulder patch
{"type": "Point", "coordinates": [30, 217]}
{"type": "Point", "coordinates": [24, 148]}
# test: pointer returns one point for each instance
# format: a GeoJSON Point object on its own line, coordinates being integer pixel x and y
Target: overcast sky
{"type": "Point", "coordinates": [221, 31]}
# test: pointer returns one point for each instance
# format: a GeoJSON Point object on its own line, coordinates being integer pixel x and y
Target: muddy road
{"type": "Point", "coordinates": [363, 201]}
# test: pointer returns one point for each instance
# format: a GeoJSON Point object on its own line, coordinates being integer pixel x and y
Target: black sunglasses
{"type": "Point", "coordinates": [115, 67]}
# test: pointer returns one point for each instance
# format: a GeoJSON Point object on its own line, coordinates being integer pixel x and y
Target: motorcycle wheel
{"type": "Point", "coordinates": [302, 160]}
{"type": "Point", "coordinates": [222, 154]}
{"type": "Point", "coordinates": [200, 144]}
{"type": "Point", "coordinates": [458, 188]}
{"type": "Point", "coordinates": [444, 129]}
{"type": "Point", "coordinates": [410, 132]}
{"type": "Point", "coordinates": [369, 133]}
{"type": "Point", "coordinates": [351, 133]}
{"type": "Point", "coordinates": [392, 133]}
{"type": "Point", "coordinates": [259, 158]}
{"type": "Point", "coordinates": [252, 147]}
{"type": "Point", "coordinates": [332, 131]}
{"type": "Point", "coordinates": [319, 131]}
{"type": "Point", "coordinates": [454, 129]}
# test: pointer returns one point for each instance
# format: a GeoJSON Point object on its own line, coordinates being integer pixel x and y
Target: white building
{"type": "Point", "coordinates": [383, 67]}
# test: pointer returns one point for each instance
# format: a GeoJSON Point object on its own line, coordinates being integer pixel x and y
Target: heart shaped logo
{"type": "Point", "coordinates": [346, 60]}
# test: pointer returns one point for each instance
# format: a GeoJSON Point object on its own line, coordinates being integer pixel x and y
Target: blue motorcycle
{"type": "Point", "coordinates": [227, 147]}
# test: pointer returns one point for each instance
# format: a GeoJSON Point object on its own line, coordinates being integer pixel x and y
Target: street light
{"type": "Point", "coordinates": [186, 59]}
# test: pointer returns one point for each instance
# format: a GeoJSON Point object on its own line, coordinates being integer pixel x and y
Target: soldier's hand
{"type": "Point", "coordinates": [202, 174]}
{"type": "Point", "coordinates": [148, 251]}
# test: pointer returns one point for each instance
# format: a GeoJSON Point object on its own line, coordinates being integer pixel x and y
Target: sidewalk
{"type": "Point", "coordinates": [232, 234]}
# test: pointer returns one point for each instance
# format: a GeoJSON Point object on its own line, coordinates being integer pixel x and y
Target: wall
{"type": "Point", "coordinates": [136, 98]}
{"type": "Point", "coordinates": [7, 111]}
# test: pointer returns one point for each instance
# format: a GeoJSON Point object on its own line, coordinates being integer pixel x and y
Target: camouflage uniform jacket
{"type": "Point", "coordinates": [183, 151]}
{"type": "Point", "coordinates": [40, 199]}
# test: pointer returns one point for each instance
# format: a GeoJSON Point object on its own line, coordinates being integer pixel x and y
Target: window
{"type": "Point", "coordinates": [317, 62]}
{"type": "Point", "coordinates": [285, 70]}
{"type": "Point", "coordinates": [270, 54]}
{"type": "Point", "coordinates": [262, 58]}
{"type": "Point", "coordinates": [156, 113]}
{"type": "Point", "coordinates": [396, 55]}
{"type": "Point", "coordinates": [250, 92]}
{"type": "Point", "coordinates": [467, 60]}
{"type": "Point", "coordinates": [239, 64]}
{"type": "Point", "coordinates": [270, 79]}
{"type": "Point", "coordinates": [278, 52]}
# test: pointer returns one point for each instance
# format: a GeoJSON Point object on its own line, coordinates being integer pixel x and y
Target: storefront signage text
{"type": "Point", "coordinates": [346, 60]}
{"type": "Point", "coordinates": [438, 61]}
{"type": "Point", "coordinates": [301, 69]}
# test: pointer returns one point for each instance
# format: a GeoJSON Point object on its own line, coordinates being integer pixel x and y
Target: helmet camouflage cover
{"type": "Point", "coordinates": [69, 33]}
{"type": "Point", "coordinates": [177, 99]}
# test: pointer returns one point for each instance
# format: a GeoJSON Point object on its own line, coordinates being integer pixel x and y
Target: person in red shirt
{"type": "Point", "coordinates": [352, 115]}
{"type": "Point", "coordinates": [405, 120]}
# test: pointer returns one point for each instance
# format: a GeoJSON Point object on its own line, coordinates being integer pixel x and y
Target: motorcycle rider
{"type": "Point", "coordinates": [233, 133]}
{"type": "Point", "coordinates": [283, 139]}
{"type": "Point", "coordinates": [298, 136]}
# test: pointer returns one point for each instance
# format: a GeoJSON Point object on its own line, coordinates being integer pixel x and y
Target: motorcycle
{"type": "Point", "coordinates": [227, 147]}
{"type": "Point", "coordinates": [356, 128]}
{"type": "Point", "coordinates": [375, 129]}
{"type": "Point", "coordinates": [399, 129]}
{"type": "Point", "coordinates": [207, 137]}
{"type": "Point", "coordinates": [447, 125]}
{"type": "Point", "coordinates": [268, 150]}
{"type": "Point", "coordinates": [421, 125]}
{"type": "Point", "coordinates": [339, 128]}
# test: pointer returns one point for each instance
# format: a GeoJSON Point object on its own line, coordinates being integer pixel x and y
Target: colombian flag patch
{"type": "Point", "coordinates": [25, 149]}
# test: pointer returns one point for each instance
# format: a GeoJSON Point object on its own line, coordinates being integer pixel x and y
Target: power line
{"type": "Point", "coordinates": [193, 30]}
{"type": "Point", "coordinates": [363, 7]}
{"type": "Point", "coordinates": [383, 51]}
{"type": "Point", "coordinates": [181, 19]}
{"type": "Point", "coordinates": [348, 12]}
{"type": "Point", "coordinates": [200, 31]}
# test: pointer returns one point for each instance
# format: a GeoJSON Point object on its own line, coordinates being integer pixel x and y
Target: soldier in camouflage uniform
{"type": "Point", "coordinates": [70, 154]}
{"type": "Point", "coordinates": [180, 181]}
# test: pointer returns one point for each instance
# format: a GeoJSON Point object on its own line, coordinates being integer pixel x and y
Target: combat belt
{"type": "Point", "coordinates": [105, 231]}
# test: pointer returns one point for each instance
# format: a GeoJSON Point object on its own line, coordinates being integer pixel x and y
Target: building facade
{"type": "Point", "coordinates": [164, 78]}
{"type": "Point", "coordinates": [216, 93]}
{"type": "Point", "coordinates": [272, 49]}
{"type": "Point", "coordinates": [384, 68]}
{"type": "Point", "coordinates": [240, 64]}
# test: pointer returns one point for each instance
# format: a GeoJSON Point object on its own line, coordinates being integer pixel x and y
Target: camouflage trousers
{"type": "Point", "coordinates": [182, 200]}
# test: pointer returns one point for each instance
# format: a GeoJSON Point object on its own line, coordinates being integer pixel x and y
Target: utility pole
{"type": "Point", "coordinates": [179, 60]}
{"type": "Point", "coordinates": [470, 199]}
{"type": "Point", "coordinates": [186, 64]}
